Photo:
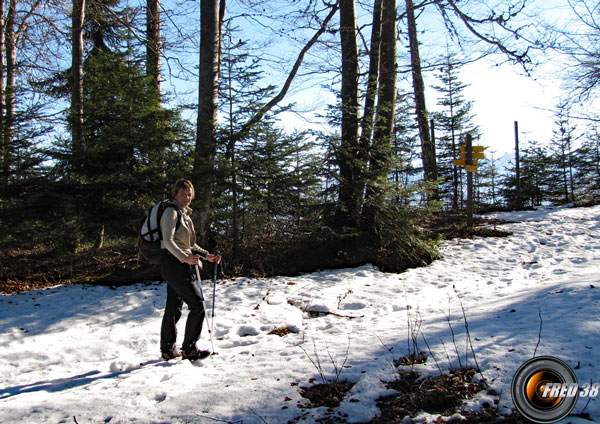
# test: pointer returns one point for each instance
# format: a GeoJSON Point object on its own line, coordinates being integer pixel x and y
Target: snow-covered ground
{"type": "Point", "coordinates": [90, 354]}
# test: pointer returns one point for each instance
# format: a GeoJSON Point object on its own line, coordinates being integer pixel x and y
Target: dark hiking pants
{"type": "Point", "coordinates": [180, 289]}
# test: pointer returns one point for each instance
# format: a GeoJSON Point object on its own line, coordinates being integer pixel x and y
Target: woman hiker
{"type": "Point", "coordinates": [177, 269]}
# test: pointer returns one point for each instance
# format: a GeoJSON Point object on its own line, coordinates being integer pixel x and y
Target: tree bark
{"type": "Point", "coordinates": [373, 78]}
{"type": "Point", "coordinates": [208, 98]}
{"type": "Point", "coordinates": [381, 151]}
{"type": "Point", "coordinates": [427, 145]}
{"type": "Point", "coordinates": [3, 147]}
{"type": "Point", "coordinates": [350, 158]}
{"type": "Point", "coordinates": [153, 43]}
{"type": "Point", "coordinates": [77, 83]}
{"type": "Point", "coordinates": [8, 126]}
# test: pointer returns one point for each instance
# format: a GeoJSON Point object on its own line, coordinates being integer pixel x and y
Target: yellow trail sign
{"type": "Point", "coordinates": [459, 162]}
{"type": "Point", "coordinates": [471, 168]}
{"type": "Point", "coordinates": [476, 149]}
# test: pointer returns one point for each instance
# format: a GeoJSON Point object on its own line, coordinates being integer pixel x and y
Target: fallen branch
{"type": "Point", "coordinates": [315, 312]}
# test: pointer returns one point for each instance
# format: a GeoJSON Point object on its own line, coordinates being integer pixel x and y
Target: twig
{"type": "Point", "coordinates": [310, 311]}
{"type": "Point", "coordinates": [219, 420]}
{"type": "Point", "coordinates": [341, 298]}
{"type": "Point", "coordinates": [539, 333]}
{"type": "Point", "coordinates": [317, 362]}
{"type": "Point", "coordinates": [454, 338]}
{"type": "Point", "coordinates": [413, 328]}
{"type": "Point", "coordinates": [430, 352]}
{"type": "Point", "coordinates": [469, 341]}
{"type": "Point", "coordinates": [389, 349]}
{"type": "Point", "coordinates": [338, 371]}
{"type": "Point", "coordinates": [261, 418]}
{"type": "Point", "coordinates": [447, 354]}
{"type": "Point", "coordinates": [257, 307]}
{"type": "Point", "coordinates": [469, 338]}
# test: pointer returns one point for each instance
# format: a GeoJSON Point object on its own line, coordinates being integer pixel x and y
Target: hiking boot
{"type": "Point", "coordinates": [167, 355]}
{"type": "Point", "coordinates": [195, 354]}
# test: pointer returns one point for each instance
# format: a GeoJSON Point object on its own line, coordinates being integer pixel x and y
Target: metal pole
{"type": "Point", "coordinates": [213, 298]}
{"type": "Point", "coordinates": [469, 161]}
{"type": "Point", "coordinates": [517, 166]}
{"type": "Point", "coordinates": [208, 324]}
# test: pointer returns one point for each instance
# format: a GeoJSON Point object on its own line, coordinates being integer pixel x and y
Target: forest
{"type": "Point", "coordinates": [105, 103]}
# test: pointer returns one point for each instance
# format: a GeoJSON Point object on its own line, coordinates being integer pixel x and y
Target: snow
{"type": "Point", "coordinates": [90, 354]}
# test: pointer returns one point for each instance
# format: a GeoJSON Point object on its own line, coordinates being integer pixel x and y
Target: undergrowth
{"type": "Point", "coordinates": [394, 247]}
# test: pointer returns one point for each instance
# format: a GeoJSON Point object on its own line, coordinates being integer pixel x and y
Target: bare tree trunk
{"type": "Point", "coordinates": [10, 46]}
{"type": "Point", "coordinates": [153, 43]}
{"type": "Point", "coordinates": [350, 157]}
{"type": "Point", "coordinates": [427, 145]}
{"type": "Point", "coordinates": [3, 147]}
{"type": "Point", "coordinates": [381, 151]}
{"type": "Point", "coordinates": [208, 98]}
{"type": "Point", "coordinates": [77, 82]}
{"type": "Point", "coordinates": [373, 78]}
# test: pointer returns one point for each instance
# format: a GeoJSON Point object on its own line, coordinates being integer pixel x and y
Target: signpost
{"type": "Point", "coordinates": [469, 158]}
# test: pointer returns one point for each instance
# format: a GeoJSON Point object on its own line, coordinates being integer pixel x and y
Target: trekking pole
{"type": "Point", "coordinates": [213, 298]}
{"type": "Point", "coordinates": [208, 324]}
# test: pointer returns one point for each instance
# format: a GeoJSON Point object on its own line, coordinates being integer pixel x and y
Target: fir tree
{"type": "Point", "coordinates": [453, 121]}
{"type": "Point", "coordinates": [242, 95]}
{"type": "Point", "coordinates": [562, 188]}
{"type": "Point", "coordinates": [587, 162]}
{"type": "Point", "coordinates": [405, 170]}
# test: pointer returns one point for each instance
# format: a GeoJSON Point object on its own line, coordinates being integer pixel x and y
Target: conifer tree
{"type": "Point", "coordinates": [241, 97]}
{"type": "Point", "coordinates": [488, 177]}
{"type": "Point", "coordinates": [130, 146]}
{"type": "Point", "coordinates": [587, 160]}
{"type": "Point", "coordinates": [406, 152]}
{"type": "Point", "coordinates": [452, 122]}
{"type": "Point", "coordinates": [279, 176]}
{"type": "Point", "coordinates": [561, 145]}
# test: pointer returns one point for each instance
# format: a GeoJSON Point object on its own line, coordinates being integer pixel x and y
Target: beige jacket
{"type": "Point", "coordinates": [182, 242]}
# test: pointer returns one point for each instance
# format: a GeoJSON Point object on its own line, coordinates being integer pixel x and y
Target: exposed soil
{"type": "Point", "coordinates": [441, 394]}
{"type": "Point", "coordinates": [451, 225]}
{"type": "Point", "coordinates": [328, 394]}
{"type": "Point", "coordinates": [112, 265]}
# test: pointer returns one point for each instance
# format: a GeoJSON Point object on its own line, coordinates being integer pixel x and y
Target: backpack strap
{"type": "Point", "coordinates": [150, 229]}
{"type": "Point", "coordinates": [168, 204]}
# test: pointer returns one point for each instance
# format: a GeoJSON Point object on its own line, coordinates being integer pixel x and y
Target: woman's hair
{"type": "Point", "coordinates": [182, 184]}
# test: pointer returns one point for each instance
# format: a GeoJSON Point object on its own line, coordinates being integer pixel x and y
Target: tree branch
{"type": "Point", "coordinates": [267, 107]}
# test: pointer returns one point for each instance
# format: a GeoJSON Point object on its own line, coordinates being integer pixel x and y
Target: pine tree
{"type": "Point", "coordinates": [488, 178]}
{"type": "Point", "coordinates": [534, 173]}
{"type": "Point", "coordinates": [406, 154]}
{"type": "Point", "coordinates": [131, 148]}
{"type": "Point", "coordinates": [453, 121]}
{"type": "Point", "coordinates": [242, 95]}
{"type": "Point", "coordinates": [279, 174]}
{"type": "Point", "coordinates": [587, 163]}
{"type": "Point", "coordinates": [562, 189]}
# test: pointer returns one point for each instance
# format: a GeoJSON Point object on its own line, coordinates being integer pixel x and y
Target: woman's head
{"type": "Point", "coordinates": [183, 192]}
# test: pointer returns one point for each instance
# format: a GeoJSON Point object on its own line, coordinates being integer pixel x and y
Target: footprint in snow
{"type": "Point", "coordinates": [247, 330]}
{"type": "Point", "coordinates": [354, 306]}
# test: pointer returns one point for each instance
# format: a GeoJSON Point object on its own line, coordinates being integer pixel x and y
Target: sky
{"type": "Point", "coordinates": [501, 96]}
{"type": "Point", "coordinates": [501, 93]}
